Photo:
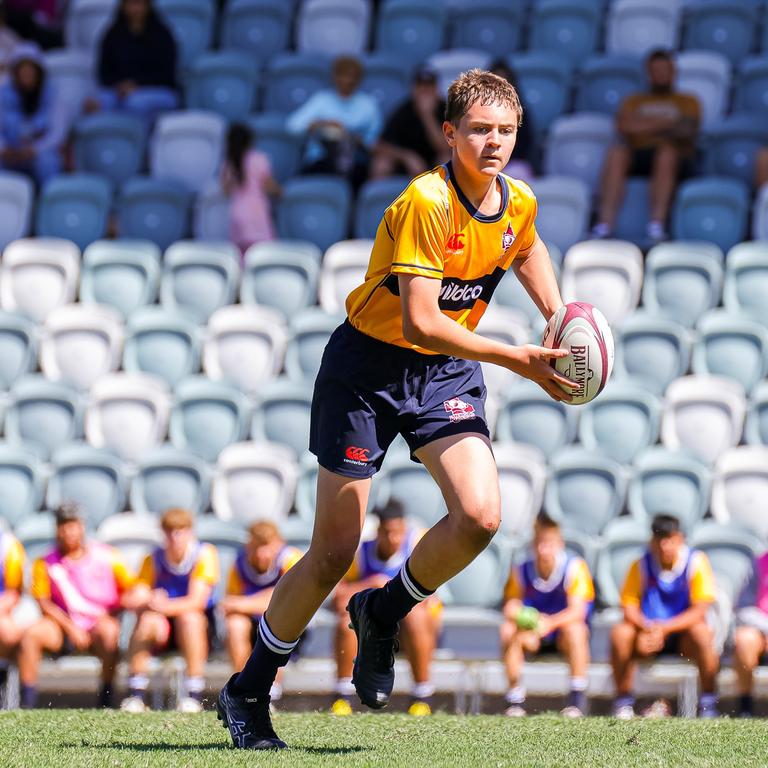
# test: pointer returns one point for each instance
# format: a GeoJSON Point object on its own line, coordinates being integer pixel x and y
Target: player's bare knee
{"type": "Point", "coordinates": [479, 524]}
{"type": "Point", "coordinates": [623, 635]}
{"type": "Point", "coordinates": [746, 642]}
{"type": "Point", "coordinates": [329, 567]}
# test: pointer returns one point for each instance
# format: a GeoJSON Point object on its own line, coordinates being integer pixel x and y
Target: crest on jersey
{"type": "Point", "coordinates": [508, 237]}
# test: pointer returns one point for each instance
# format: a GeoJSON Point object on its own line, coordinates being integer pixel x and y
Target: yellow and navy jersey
{"type": "Point", "coordinates": [11, 563]}
{"type": "Point", "coordinates": [367, 563]}
{"type": "Point", "coordinates": [244, 579]}
{"type": "Point", "coordinates": [201, 562]}
{"type": "Point", "coordinates": [433, 230]}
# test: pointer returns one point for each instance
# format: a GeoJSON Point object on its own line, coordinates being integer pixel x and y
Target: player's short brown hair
{"type": "Point", "coordinates": [264, 532]}
{"type": "Point", "coordinates": [348, 64]}
{"type": "Point", "coordinates": [544, 522]}
{"type": "Point", "coordinates": [175, 518]}
{"type": "Point", "coordinates": [483, 86]}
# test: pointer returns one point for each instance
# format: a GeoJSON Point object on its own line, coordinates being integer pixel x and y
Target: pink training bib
{"type": "Point", "coordinates": [762, 583]}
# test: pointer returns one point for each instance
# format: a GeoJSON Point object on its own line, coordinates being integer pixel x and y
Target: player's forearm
{"type": "Point", "coordinates": [537, 276]}
{"type": "Point", "coordinates": [569, 615]}
{"type": "Point", "coordinates": [52, 611]}
{"type": "Point", "coordinates": [8, 600]}
{"type": "Point", "coordinates": [251, 604]}
{"type": "Point", "coordinates": [633, 615]}
{"type": "Point", "coordinates": [685, 620]}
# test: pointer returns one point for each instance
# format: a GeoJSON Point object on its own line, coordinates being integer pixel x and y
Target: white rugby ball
{"type": "Point", "coordinates": [583, 330]}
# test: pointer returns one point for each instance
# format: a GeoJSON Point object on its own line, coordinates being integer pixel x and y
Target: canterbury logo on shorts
{"type": "Point", "coordinates": [355, 455]}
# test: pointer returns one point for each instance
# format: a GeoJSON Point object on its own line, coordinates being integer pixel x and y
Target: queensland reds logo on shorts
{"type": "Point", "coordinates": [355, 455]}
{"type": "Point", "coordinates": [459, 410]}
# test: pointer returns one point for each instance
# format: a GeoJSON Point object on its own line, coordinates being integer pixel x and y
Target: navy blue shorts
{"type": "Point", "coordinates": [368, 391]}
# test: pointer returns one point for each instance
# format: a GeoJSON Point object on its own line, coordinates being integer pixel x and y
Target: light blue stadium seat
{"type": "Point", "coordinates": [605, 81]}
{"type": "Point", "coordinates": [134, 535]}
{"type": "Point", "coordinates": [669, 482]}
{"type": "Point", "coordinates": [635, 27]}
{"type": "Point", "coordinates": [494, 26]}
{"type": "Point", "coordinates": [760, 214]}
{"type": "Point", "coordinates": [43, 413]}
{"type": "Point", "coordinates": [652, 351]}
{"type": "Point", "coordinates": [387, 78]}
{"type": "Point", "coordinates": [260, 28]}
{"type": "Point", "coordinates": [227, 536]}
{"type": "Point", "coordinates": [122, 274]}
{"type": "Point", "coordinates": [585, 490]}
{"type": "Point", "coordinates": [732, 346]}
{"type": "Point", "coordinates": [563, 212]}
{"type": "Point", "coordinates": [374, 197]}
{"type": "Point", "coordinates": [191, 22]}
{"type": "Point", "coordinates": [198, 278]}
{"type": "Point", "coordinates": [756, 426]}
{"type": "Point", "coordinates": [306, 488]}
{"type": "Point", "coordinates": [168, 477]}
{"type": "Point", "coordinates": [162, 342]}
{"type": "Point", "coordinates": [223, 82]}
{"type": "Point", "coordinates": [207, 416]}
{"type": "Point", "coordinates": [17, 193]}
{"type": "Point", "coordinates": [624, 541]}
{"type": "Point", "coordinates": [310, 331]}
{"type": "Point", "coordinates": [751, 91]}
{"type": "Point", "coordinates": [569, 27]}
{"type": "Point", "coordinates": [18, 348]}
{"type": "Point", "coordinates": [680, 284]}
{"type": "Point", "coordinates": [110, 145]}
{"type": "Point", "coordinates": [292, 78]}
{"type": "Point", "coordinates": [210, 219]}
{"type": "Point", "coordinates": [745, 289]}
{"type": "Point", "coordinates": [706, 75]}
{"type": "Point", "coordinates": [449, 64]}
{"type": "Point", "coordinates": [93, 478]}
{"type": "Point", "coordinates": [732, 146]}
{"type": "Point", "coordinates": [414, 29]}
{"type": "Point", "coordinates": [315, 208]}
{"type": "Point", "coordinates": [70, 70]}
{"type": "Point", "coordinates": [511, 294]}
{"type": "Point", "coordinates": [411, 485]}
{"type": "Point", "coordinates": [21, 482]}
{"type": "Point", "coordinates": [281, 414]}
{"type": "Point", "coordinates": [86, 22]}
{"type": "Point", "coordinates": [75, 207]}
{"type": "Point", "coordinates": [621, 422]}
{"type": "Point", "coordinates": [282, 147]}
{"type": "Point", "coordinates": [717, 25]}
{"type": "Point", "coordinates": [529, 415]}
{"type": "Point", "coordinates": [635, 213]}
{"type": "Point", "coordinates": [153, 209]}
{"type": "Point", "coordinates": [37, 534]}
{"type": "Point", "coordinates": [481, 583]}
{"type": "Point", "coordinates": [333, 27]}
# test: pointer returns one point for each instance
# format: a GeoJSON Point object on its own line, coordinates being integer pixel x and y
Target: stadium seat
{"type": "Point", "coordinates": [37, 534]}
{"type": "Point", "coordinates": [651, 351]}
{"type": "Point", "coordinates": [634, 27]}
{"type": "Point", "coordinates": [21, 483]}
{"type": "Point", "coordinates": [17, 193]}
{"type": "Point", "coordinates": [167, 477]}
{"type": "Point", "coordinates": [717, 25]}
{"type": "Point", "coordinates": [448, 65]}
{"type": "Point", "coordinates": [191, 22]}
{"type": "Point", "coordinates": [706, 75]}
{"type": "Point", "coordinates": [86, 22]}
{"type": "Point", "coordinates": [127, 414]}
{"type": "Point", "coordinates": [624, 541]}
{"type": "Point", "coordinates": [605, 81]}
{"type": "Point", "coordinates": [414, 29]}
{"type": "Point", "coordinates": [43, 414]}
{"type": "Point", "coordinates": [282, 147]}
{"type": "Point", "coordinates": [681, 282]}
{"type": "Point", "coordinates": [245, 345]}
{"type": "Point", "coordinates": [410, 484]}
{"type": "Point", "coordinates": [333, 27]}
{"type": "Point", "coordinates": [122, 274]}
{"type": "Point", "coordinates": [751, 91]}
{"type": "Point", "coordinates": [281, 414]}
{"type": "Point", "coordinates": [756, 426]}
{"type": "Point", "coordinates": [210, 218]}
{"type": "Point", "coordinates": [292, 78]}
{"type": "Point", "coordinates": [622, 422]}
{"type": "Point", "coordinates": [481, 583]}
{"type": "Point", "coordinates": [344, 267]}
{"type": "Point", "coordinates": [208, 416]}
{"type": "Point", "coordinates": [162, 342]}
{"type": "Point", "coordinates": [283, 248]}
{"type": "Point", "coordinates": [585, 490]}
{"type": "Point", "coordinates": [18, 348]}
{"type": "Point", "coordinates": [154, 210]}
{"type": "Point", "coordinates": [315, 208]}
{"type": "Point", "coordinates": [760, 214]}
{"type": "Point", "coordinates": [223, 82]}
{"type": "Point", "coordinates": [74, 207]}
{"type": "Point", "coordinates": [186, 147]}
{"type": "Point", "coordinates": [570, 28]}
{"type": "Point", "coordinates": [522, 477]}
{"type": "Point", "coordinates": [133, 534]}
{"type": "Point", "coordinates": [254, 481]}
{"type": "Point", "coordinates": [704, 415]}
{"type": "Point", "coordinates": [309, 333]}
{"type": "Point", "coordinates": [387, 78]}
{"type": "Point", "coordinates": [635, 213]}
{"type": "Point", "coordinates": [732, 145]}
{"type": "Point", "coordinates": [260, 28]}
{"type": "Point", "coordinates": [494, 26]}
{"type": "Point", "coordinates": [110, 145]}
{"type": "Point", "coordinates": [199, 278]}
{"type": "Point", "coordinates": [576, 146]}
{"type": "Point", "coordinates": [71, 72]}
{"type": "Point", "coordinates": [283, 281]}
{"type": "Point", "coordinates": [80, 343]}
{"type": "Point", "coordinates": [374, 197]}
{"type": "Point", "coordinates": [665, 481]}
{"type": "Point", "coordinates": [306, 488]}
{"type": "Point", "coordinates": [228, 538]}
{"type": "Point", "coordinates": [564, 209]}
{"type": "Point", "coordinates": [93, 478]}
{"type": "Point", "coordinates": [508, 326]}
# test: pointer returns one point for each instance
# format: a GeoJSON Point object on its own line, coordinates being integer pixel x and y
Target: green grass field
{"type": "Point", "coordinates": [74, 738]}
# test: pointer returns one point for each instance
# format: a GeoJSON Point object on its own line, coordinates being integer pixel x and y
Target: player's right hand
{"type": "Point", "coordinates": [534, 363]}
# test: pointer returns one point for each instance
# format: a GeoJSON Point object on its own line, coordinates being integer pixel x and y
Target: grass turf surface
{"type": "Point", "coordinates": [74, 738]}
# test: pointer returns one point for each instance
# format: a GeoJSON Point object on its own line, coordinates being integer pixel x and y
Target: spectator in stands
{"type": "Point", "coordinates": [342, 124]}
{"type": "Point", "coordinates": [137, 63]}
{"type": "Point", "coordinates": [32, 126]}
{"type": "Point", "coordinates": [11, 583]}
{"type": "Point", "coordinates": [80, 587]}
{"type": "Point", "coordinates": [412, 140]}
{"type": "Point", "coordinates": [377, 561]}
{"type": "Point", "coordinates": [257, 568]}
{"type": "Point", "coordinates": [547, 604]}
{"type": "Point", "coordinates": [665, 597]}
{"type": "Point", "coordinates": [657, 131]}
{"type": "Point", "coordinates": [40, 21]}
{"type": "Point", "coordinates": [247, 178]}
{"type": "Point", "coordinates": [174, 599]}
{"type": "Point", "coordinates": [761, 167]}
{"type": "Point", "coordinates": [8, 42]}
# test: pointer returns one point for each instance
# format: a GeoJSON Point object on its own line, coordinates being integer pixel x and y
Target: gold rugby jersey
{"type": "Point", "coordinates": [433, 230]}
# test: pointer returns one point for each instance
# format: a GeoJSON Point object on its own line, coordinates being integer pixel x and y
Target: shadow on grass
{"type": "Point", "coordinates": [161, 746]}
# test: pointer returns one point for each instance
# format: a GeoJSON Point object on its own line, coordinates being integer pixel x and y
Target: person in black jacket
{"type": "Point", "coordinates": [137, 63]}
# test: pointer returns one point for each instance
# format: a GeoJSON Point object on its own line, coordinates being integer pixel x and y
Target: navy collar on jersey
{"type": "Point", "coordinates": [473, 212]}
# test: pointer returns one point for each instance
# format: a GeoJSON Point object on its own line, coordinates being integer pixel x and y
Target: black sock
{"type": "Point", "coordinates": [578, 699]}
{"type": "Point", "coordinates": [746, 704]}
{"type": "Point", "coordinates": [28, 696]}
{"type": "Point", "coordinates": [397, 597]}
{"type": "Point", "coordinates": [268, 655]}
{"type": "Point", "coordinates": [105, 695]}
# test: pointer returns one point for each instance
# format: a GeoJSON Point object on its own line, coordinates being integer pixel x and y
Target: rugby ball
{"type": "Point", "coordinates": [583, 330]}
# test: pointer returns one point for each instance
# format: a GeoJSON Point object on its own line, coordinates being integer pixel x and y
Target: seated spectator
{"type": "Point", "coordinates": [761, 167]}
{"type": "Point", "coordinates": [11, 583]}
{"type": "Point", "coordinates": [32, 125]}
{"type": "Point", "coordinates": [247, 178]}
{"type": "Point", "coordinates": [377, 561]}
{"type": "Point", "coordinates": [657, 132]}
{"type": "Point", "coordinates": [39, 21]}
{"type": "Point", "coordinates": [412, 140]}
{"type": "Point", "coordinates": [342, 124]}
{"type": "Point", "coordinates": [80, 587]}
{"type": "Point", "coordinates": [8, 42]}
{"type": "Point", "coordinates": [547, 604]}
{"type": "Point", "coordinates": [665, 598]}
{"type": "Point", "coordinates": [137, 63]}
{"type": "Point", "coordinates": [174, 600]}
{"type": "Point", "coordinates": [255, 572]}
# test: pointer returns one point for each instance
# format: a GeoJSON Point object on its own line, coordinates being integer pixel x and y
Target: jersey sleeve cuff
{"type": "Point", "coordinates": [401, 268]}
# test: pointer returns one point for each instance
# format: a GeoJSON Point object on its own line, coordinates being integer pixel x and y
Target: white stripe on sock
{"type": "Point", "coordinates": [275, 644]}
{"type": "Point", "coordinates": [410, 586]}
